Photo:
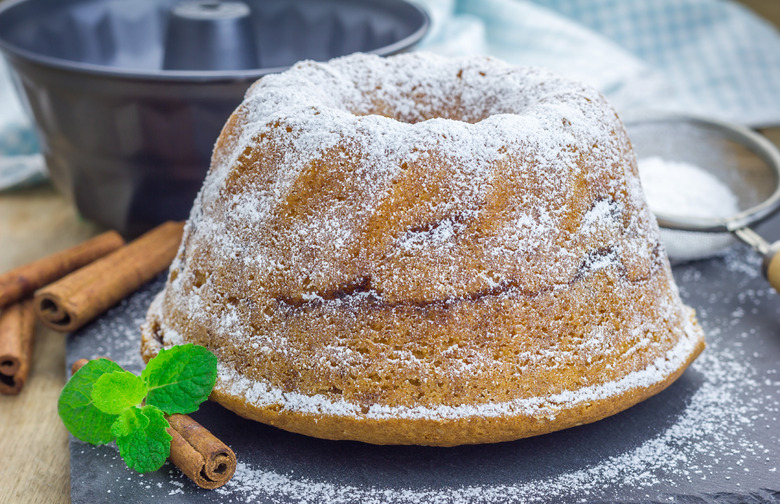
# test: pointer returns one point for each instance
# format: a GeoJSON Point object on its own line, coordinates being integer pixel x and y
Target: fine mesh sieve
{"type": "Point", "coordinates": [744, 161]}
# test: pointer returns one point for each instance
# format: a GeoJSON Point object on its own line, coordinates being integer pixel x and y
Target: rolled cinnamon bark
{"type": "Point", "coordinates": [80, 364]}
{"type": "Point", "coordinates": [81, 296]}
{"type": "Point", "coordinates": [206, 460]}
{"type": "Point", "coordinates": [22, 281]}
{"type": "Point", "coordinates": [17, 334]}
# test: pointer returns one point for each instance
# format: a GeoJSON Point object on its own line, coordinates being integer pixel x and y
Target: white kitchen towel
{"type": "Point", "coordinates": [708, 57]}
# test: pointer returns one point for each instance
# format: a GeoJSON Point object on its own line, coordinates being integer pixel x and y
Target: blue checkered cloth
{"type": "Point", "coordinates": [720, 58]}
{"type": "Point", "coordinates": [706, 57]}
{"type": "Point", "coordinates": [21, 163]}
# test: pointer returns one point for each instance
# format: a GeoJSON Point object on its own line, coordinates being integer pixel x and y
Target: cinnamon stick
{"type": "Point", "coordinates": [81, 296]}
{"type": "Point", "coordinates": [17, 334]}
{"type": "Point", "coordinates": [80, 364]}
{"type": "Point", "coordinates": [206, 460]}
{"type": "Point", "coordinates": [199, 454]}
{"type": "Point", "coordinates": [22, 281]}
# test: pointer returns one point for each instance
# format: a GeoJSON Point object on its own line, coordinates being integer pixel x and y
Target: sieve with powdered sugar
{"type": "Point", "coordinates": [708, 182]}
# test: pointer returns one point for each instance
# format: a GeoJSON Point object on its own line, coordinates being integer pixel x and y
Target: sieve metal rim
{"type": "Point", "coordinates": [757, 144]}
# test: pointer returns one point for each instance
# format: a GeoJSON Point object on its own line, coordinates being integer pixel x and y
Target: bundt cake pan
{"type": "Point", "coordinates": [128, 97]}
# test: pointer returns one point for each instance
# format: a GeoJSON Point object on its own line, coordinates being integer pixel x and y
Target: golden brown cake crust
{"type": "Point", "coordinates": [417, 250]}
{"type": "Point", "coordinates": [448, 432]}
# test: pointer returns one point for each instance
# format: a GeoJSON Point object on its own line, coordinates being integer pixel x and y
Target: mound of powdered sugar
{"type": "Point", "coordinates": [682, 189]}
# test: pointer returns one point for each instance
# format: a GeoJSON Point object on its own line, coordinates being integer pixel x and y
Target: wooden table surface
{"type": "Point", "coordinates": [34, 466]}
{"type": "Point", "coordinates": [35, 463]}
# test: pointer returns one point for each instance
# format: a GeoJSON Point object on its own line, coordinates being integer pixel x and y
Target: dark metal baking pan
{"type": "Point", "coordinates": [127, 131]}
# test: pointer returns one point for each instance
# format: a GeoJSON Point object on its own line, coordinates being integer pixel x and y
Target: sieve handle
{"type": "Point", "coordinates": [771, 253]}
{"type": "Point", "coordinates": [771, 266]}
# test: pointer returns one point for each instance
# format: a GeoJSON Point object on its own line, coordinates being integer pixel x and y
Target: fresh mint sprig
{"type": "Point", "coordinates": [102, 402]}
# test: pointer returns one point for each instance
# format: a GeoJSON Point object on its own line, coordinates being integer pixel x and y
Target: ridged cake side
{"type": "Point", "coordinates": [423, 250]}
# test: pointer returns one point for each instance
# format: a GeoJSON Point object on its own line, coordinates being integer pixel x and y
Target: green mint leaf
{"type": "Point", "coordinates": [76, 408]}
{"type": "Point", "coordinates": [142, 438]}
{"type": "Point", "coordinates": [131, 420]}
{"type": "Point", "coordinates": [180, 378]}
{"type": "Point", "coordinates": [114, 392]}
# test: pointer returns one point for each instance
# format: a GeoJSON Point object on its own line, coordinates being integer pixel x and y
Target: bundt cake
{"type": "Point", "coordinates": [421, 250]}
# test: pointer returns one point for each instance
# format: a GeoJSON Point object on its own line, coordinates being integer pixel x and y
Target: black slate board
{"type": "Point", "coordinates": [713, 436]}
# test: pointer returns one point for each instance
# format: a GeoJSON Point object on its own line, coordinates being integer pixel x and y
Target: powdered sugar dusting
{"type": "Point", "coordinates": [450, 188]}
{"type": "Point", "coordinates": [468, 114]}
